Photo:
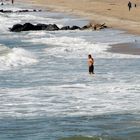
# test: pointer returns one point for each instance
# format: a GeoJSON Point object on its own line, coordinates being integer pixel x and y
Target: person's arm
{"type": "Point", "coordinates": [93, 61]}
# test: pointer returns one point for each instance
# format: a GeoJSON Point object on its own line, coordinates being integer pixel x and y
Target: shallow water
{"type": "Point", "coordinates": [45, 89]}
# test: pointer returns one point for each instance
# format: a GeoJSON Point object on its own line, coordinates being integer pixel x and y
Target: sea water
{"type": "Point", "coordinates": [46, 92]}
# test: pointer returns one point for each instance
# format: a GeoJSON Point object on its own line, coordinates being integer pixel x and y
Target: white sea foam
{"type": "Point", "coordinates": [76, 47]}
{"type": "Point", "coordinates": [10, 7]}
{"type": "Point", "coordinates": [70, 100]}
{"type": "Point", "coordinates": [60, 86]}
{"type": "Point", "coordinates": [15, 57]}
{"type": "Point", "coordinates": [6, 22]}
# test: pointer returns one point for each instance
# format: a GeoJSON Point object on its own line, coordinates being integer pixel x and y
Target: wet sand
{"type": "Point", "coordinates": [126, 48]}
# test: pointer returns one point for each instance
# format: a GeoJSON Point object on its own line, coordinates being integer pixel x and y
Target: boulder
{"type": "Point", "coordinates": [52, 27]}
{"type": "Point", "coordinates": [85, 27]}
{"type": "Point", "coordinates": [25, 27]}
{"type": "Point", "coordinates": [99, 26]}
{"type": "Point", "coordinates": [19, 11]}
{"type": "Point", "coordinates": [1, 10]}
{"type": "Point", "coordinates": [40, 27]}
{"type": "Point", "coordinates": [31, 27]}
{"type": "Point", "coordinates": [5, 11]}
{"type": "Point", "coordinates": [28, 27]}
{"type": "Point", "coordinates": [65, 28]}
{"type": "Point", "coordinates": [16, 28]}
{"type": "Point", "coordinates": [75, 28]}
{"type": "Point", "coordinates": [94, 26]}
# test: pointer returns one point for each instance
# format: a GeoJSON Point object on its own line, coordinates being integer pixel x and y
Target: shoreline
{"type": "Point", "coordinates": [114, 14]}
{"type": "Point", "coordinates": [126, 48]}
{"type": "Point", "coordinates": [112, 22]}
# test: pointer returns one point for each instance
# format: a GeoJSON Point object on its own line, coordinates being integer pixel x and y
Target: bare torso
{"type": "Point", "coordinates": [90, 61]}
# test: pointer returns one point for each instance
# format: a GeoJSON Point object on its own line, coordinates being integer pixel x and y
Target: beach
{"type": "Point", "coordinates": [126, 48]}
{"type": "Point", "coordinates": [46, 91]}
{"type": "Point", "coordinates": [114, 13]}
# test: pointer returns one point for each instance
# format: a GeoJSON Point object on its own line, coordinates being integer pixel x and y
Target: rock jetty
{"type": "Point", "coordinates": [53, 27]}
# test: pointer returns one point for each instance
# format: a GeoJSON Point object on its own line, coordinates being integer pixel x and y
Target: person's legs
{"type": "Point", "coordinates": [91, 69]}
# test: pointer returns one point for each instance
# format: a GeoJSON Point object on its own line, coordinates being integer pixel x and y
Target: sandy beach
{"type": "Point", "coordinates": [114, 13]}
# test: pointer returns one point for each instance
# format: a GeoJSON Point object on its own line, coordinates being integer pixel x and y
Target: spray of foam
{"type": "Point", "coordinates": [77, 47]}
{"type": "Point", "coordinates": [15, 57]}
{"type": "Point", "coordinates": [68, 44]}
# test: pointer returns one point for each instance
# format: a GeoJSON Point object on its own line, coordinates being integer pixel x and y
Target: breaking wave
{"type": "Point", "coordinates": [15, 57]}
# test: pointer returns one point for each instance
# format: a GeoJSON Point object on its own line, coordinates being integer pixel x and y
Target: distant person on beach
{"type": "Point", "coordinates": [12, 1]}
{"type": "Point", "coordinates": [135, 5]}
{"type": "Point", "coordinates": [91, 64]}
{"type": "Point", "coordinates": [129, 5]}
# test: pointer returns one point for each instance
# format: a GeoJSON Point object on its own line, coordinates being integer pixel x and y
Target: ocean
{"type": "Point", "coordinates": [46, 92]}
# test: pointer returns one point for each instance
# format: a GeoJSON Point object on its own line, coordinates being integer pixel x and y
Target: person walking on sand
{"type": "Point", "coordinates": [129, 5]}
{"type": "Point", "coordinates": [91, 64]}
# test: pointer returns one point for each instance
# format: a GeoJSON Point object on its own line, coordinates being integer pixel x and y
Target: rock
{"type": "Point", "coordinates": [31, 27]}
{"type": "Point", "coordinates": [19, 11]}
{"type": "Point", "coordinates": [65, 28]}
{"type": "Point", "coordinates": [25, 27]}
{"type": "Point", "coordinates": [94, 26]}
{"type": "Point", "coordinates": [52, 27]}
{"type": "Point", "coordinates": [75, 28]}
{"type": "Point", "coordinates": [88, 26]}
{"type": "Point", "coordinates": [1, 10]}
{"type": "Point", "coordinates": [28, 27]}
{"type": "Point", "coordinates": [99, 26]}
{"type": "Point", "coordinates": [22, 11]}
{"type": "Point", "coordinates": [16, 28]}
{"type": "Point", "coordinates": [84, 27]}
{"type": "Point", "coordinates": [40, 27]}
{"type": "Point", "coordinates": [5, 11]}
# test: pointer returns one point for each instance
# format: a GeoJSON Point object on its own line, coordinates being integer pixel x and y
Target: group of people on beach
{"type": "Point", "coordinates": [130, 5]}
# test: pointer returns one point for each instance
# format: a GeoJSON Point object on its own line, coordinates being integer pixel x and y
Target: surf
{"type": "Point", "coordinates": [14, 57]}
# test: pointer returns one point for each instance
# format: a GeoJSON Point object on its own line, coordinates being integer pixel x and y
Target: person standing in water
{"type": "Point", "coordinates": [91, 64]}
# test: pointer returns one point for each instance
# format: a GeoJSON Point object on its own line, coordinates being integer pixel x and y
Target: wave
{"type": "Point", "coordinates": [15, 57]}
{"type": "Point", "coordinates": [71, 100]}
{"type": "Point", "coordinates": [64, 46]}
{"type": "Point", "coordinates": [68, 45]}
